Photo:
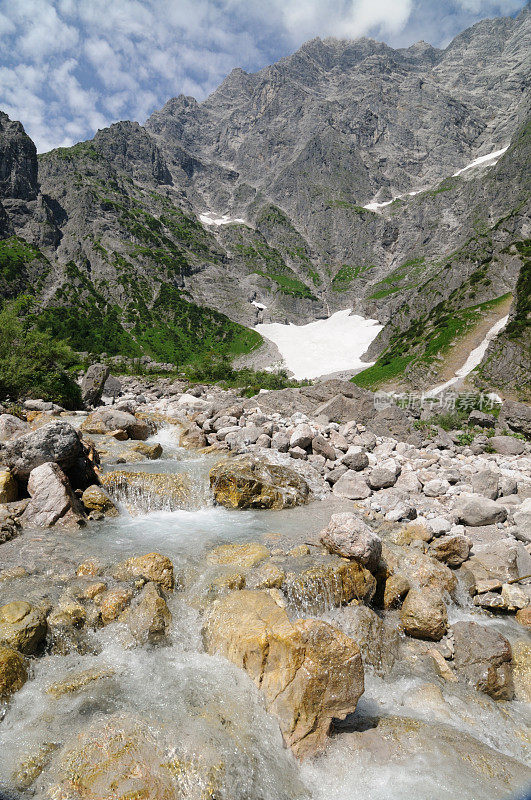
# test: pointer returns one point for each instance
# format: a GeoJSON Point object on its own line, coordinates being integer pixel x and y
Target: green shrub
{"type": "Point", "coordinates": [32, 364]}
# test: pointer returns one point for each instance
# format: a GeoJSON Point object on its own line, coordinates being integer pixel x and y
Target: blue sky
{"type": "Point", "coordinates": [69, 67]}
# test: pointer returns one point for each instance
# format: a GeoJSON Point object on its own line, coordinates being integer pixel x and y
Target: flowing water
{"type": "Point", "coordinates": [204, 710]}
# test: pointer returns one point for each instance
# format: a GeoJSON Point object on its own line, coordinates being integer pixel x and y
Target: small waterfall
{"type": "Point", "coordinates": [143, 492]}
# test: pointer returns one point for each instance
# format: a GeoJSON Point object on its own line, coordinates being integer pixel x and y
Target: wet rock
{"type": "Point", "coordinates": [352, 486]}
{"type": "Point", "coordinates": [452, 550]}
{"type": "Point", "coordinates": [423, 615]}
{"type": "Point", "coordinates": [245, 482]}
{"type": "Point", "coordinates": [107, 419]}
{"type": "Point", "coordinates": [22, 627]}
{"type": "Point", "coordinates": [265, 576]}
{"type": "Point", "coordinates": [152, 567]}
{"type": "Point", "coordinates": [52, 498]}
{"type": "Point", "coordinates": [396, 588]}
{"type": "Point", "coordinates": [95, 500]}
{"type": "Point", "coordinates": [10, 526]}
{"type": "Point", "coordinates": [56, 442]}
{"type": "Point", "coordinates": [475, 510]}
{"type": "Point", "coordinates": [149, 490]}
{"type": "Point", "coordinates": [378, 643]}
{"type": "Point", "coordinates": [381, 478]}
{"type": "Point", "coordinates": [516, 416]}
{"type": "Point", "coordinates": [507, 445]}
{"type": "Point", "coordinates": [149, 619]}
{"type": "Point", "coordinates": [79, 680]}
{"type": "Point", "coordinates": [121, 757]}
{"type": "Point", "coordinates": [149, 451]}
{"type": "Point", "coordinates": [244, 556]}
{"type": "Point", "coordinates": [92, 384]}
{"type": "Point", "coordinates": [314, 585]}
{"type": "Point", "coordinates": [11, 427]}
{"type": "Point", "coordinates": [31, 766]}
{"type": "Point", "coordinates": [350, 537]}
{"type": "Point", "coordinates": [413, 531]}
{"type": "Point", "coordinates": [13, 672]}
{"type": "Point", "coordinates": [112, 603]}
{"type": "Point", "coordinates": [426, 572]}
{"type": "Point", "coordinates": [308, 671]}
{"type": "Point", "coordinates": [483, 657]}
{"type": "Point", "coordinates": [8, 487]}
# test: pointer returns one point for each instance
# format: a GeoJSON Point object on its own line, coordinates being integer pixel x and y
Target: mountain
{"type": "Point", "coordinates": [336, 178]}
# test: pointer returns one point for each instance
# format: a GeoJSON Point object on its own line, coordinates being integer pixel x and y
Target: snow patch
{"type": "Point", "coordinates": [485, 161]}
{"type": "Point", "coordinates": [209, 218]}
{"type": "Point", "coordinates": [374, 205]}
{"type": "Point", "coordinates": [259, 306]}
{"type": "Point", "coordinates": [474, 359]}
{"type": "Point", "coordinates": [325, 346]}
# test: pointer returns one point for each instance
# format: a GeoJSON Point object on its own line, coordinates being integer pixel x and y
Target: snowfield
{"type": "Point", "coordinates": [209, 218]}
{"type": "Point", "coordinates": [483, 161]}
{"type": "Point", "coordinates": [325, 346]}
{"type": "Point", "coordinates": [474, 359]}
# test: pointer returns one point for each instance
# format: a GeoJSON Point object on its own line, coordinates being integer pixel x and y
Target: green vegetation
{"type": "Point", "coordinates": [427, 338]}
{"type": "Point", "coordinates": [522, 308]}
{"type": "Point", "coordinates": [344, 276]}
{"type": "Point", "coordinates": [32, 363]}
{"type": "Point", "coordinates": [214, 369]}
{"type": "Point", "coordinates": [401, 278]}
{"type": "Point", "coordinates": [79, 150]}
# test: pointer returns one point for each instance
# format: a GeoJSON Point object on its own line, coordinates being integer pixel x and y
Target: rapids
{"type": "Point", "coordinates": [438, 743]}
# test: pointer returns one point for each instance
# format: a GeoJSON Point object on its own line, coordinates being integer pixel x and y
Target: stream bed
{"type": "Point", "coordinates": [412, 737]}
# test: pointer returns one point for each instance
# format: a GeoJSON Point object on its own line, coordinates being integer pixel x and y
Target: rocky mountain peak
{"type": "Point", "coordinates": [18, 165]}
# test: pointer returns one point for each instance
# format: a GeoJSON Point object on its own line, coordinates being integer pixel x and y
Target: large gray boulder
{"type": "Point", "coordinates": [352, 486]}
{"type": "Point", "coordinates": [516, 416]}
{"type": "Point", "coordinates": [52, 498]}
{"type": "Point", "coordinates": [11, 427]}
{"type": "Point", "coordinates": [483, 657]}
{"type": "Point", "coordinates": [107, 419]}
{"type": "Point", "coordinates": [476, 510]}
{"type": "Point", "coordinates": [350, 537]}
{"type": "Point", "coordinates": [56, 442]}
{"type": "Point", "coordinates": [507, 445]}
{"type": "Point", "coordinates": [92, 384]}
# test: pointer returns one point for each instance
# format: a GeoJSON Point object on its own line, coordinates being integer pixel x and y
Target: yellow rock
{"type": "Point", "coordinates": [152, 567]}
{"type": "Point", "coordinates": [265, 576]}
{"type": "Point", "coordinates": [32, 765]}
{"type": "Point", "coordinates": [244, 556]}
{"type": "Point", "coordinates": [112, 603]}
{"type": "Point", "coordinates": [522, 670]}
{"type": "Point", "coordinates": [244, 482]}
{"type": "Point", "coordinates": [150, 451]}
{"type": "Point", "coordinates": [22, 626]}
{"type": "Point", "coordinates": [411, 532]}
{"type": "Point", "coordinates": [95, 499]}
{"type": "Point", "coordinates": [78, 681]}
{"type": "Point", "coordinates": [8, 487]}
{"type": "Point", "coordinates": [13, 673]}
{"type": "Point", "coordinates": [150, 489]}
{"type": "Point", "coordinates": [333, 581]}
{"type": "Point", "coordinates": [308, 671]}
{"type": "Point", "coordinates": [89, 569]}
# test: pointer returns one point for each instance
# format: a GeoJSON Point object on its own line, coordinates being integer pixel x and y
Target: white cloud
{"type": "Point", "coordinates": [71, 66]}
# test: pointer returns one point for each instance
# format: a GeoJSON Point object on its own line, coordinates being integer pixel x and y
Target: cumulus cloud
{"type": "Point", "coordinates": [69, 67]}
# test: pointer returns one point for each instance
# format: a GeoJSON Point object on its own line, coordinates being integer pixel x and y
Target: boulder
{"type": "Point", "coordinates": [481, 420]}
{"type": "Point", "coordinates": [483, 657]}
{"type": "Point", "coordinates": [486, 482]}
{"type": "Point", "coordinates": [112, 604]}
{"type": "Point", "coordinates": [322, 447]}
{"type": "Point", "coordinates": [423, 614]}
{"type": "Point", "coordinates": [8, 487]}
{"type": "Point", "coordinates": [280, 441]}
{"type": "Point", "coordinates": [52, 498]}
{"type": "Point", "coordinates": [302, 436]}
{"type": "Point", "coordinates": [13, 672]}
{"type": "Point", "coordinates": [11, 427]}
{"type": "Point", "coordinates": [355, 459]}
{"type": "Point", "coordinates": [522, 518]}
{"type": "Point", "coordinates": [244, 556]}
{"type": "Point", "coordinates": [337, 409]}
{"type": "Point", "coordinates": [352, 486]}
{"type": "Point", "coordinates": [507, 445]}
{"type": "Point", "coordinates": [107, 419]}
{"type": "Point", "coordinates": [246, 482]}
{"type": "Point", "coordinates": [436, 487]}
{"type": "Point", "coordinates": [149, 618]}
{"type": "Point", "coordinates": [149, 451]}
{"type": "Point", "coordinates": [497, 560]}
{"type": "Point", "coordinates": [9, 524]}
{"type": "Point", "coordinates": [396, 588]}
{"type": "Point", "coordinates": [381, 478]}
{"type": "Point", "coordinates": [451, 550]}
{"type": "Point", "coordinates": [152, 567]}
{"type": "Point", "coordinates": [22, 627]}
{"type": "Point", "coordinates": [96, 501]}
{"type": "Point", "coordinates": [308, 671]}
{"type": "Point", "coordinates": [516, 416]}
{"type": "Point", "coordinates": [315, 585]}
{"type": "Point", "coordinates": [150, 491]}
{"type": "Point", "coordinates": [377, 641]}
{"type": "Point", "coordinates": [92, 384]}
{"type": "Point", "coordinates": [475, 510]}
{"type": "Point", "coordinates": [56, 442]}
{"type": "Point", "coordinates": [350, 537]}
